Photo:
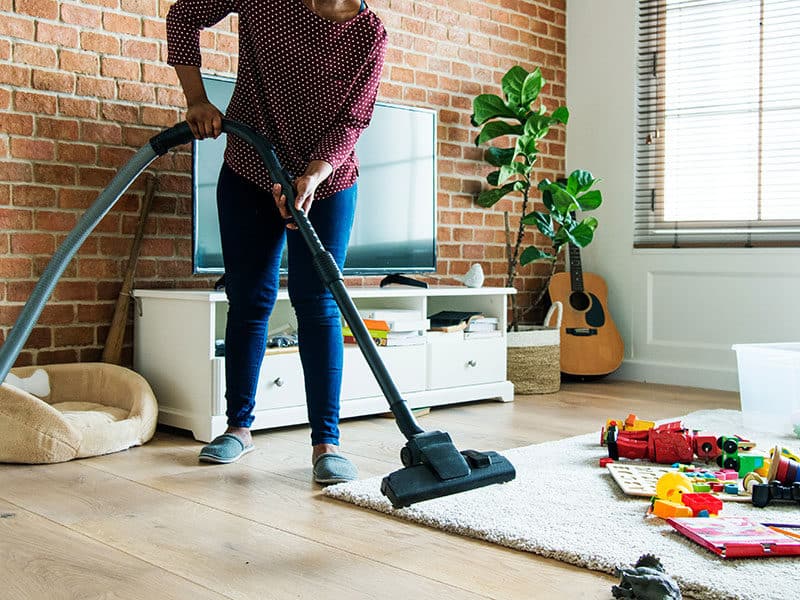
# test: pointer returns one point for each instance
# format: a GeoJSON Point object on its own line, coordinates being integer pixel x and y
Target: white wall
{"type": "Point", "coordinates": [679, 311]}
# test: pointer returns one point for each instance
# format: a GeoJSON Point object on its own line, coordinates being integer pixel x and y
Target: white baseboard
{"type": "Point", "coordinates": [714, 378]}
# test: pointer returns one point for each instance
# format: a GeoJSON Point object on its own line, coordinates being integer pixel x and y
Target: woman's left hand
{"type": "Point", "coordinates": [305, 186]}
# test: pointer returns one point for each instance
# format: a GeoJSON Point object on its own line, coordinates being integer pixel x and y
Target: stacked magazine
{"type": "Point", "coordinates": [391, 326]}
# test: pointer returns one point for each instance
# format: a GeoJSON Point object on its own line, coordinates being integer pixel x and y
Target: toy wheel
{"type": "Point", "coordinates": [706, 447]}
{"type": "Point", "coordinates": [719, 442]}
{"type": "Point", "coordinates": [719, 461]}
{"type": "Point", "coordinates": [731, 463]}
{"type": "Point", "coordinates": [730, 446]}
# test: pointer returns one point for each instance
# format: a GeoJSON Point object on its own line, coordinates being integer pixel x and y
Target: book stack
{"type": "Point", "coordinates": [465, 324]}
{"type": "Point", "coordinates": [391, 327]}
{"type": "Point", "coordinates": [482, 327]}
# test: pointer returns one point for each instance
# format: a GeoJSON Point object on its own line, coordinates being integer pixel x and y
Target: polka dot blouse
{"type": "Point", "coordinates": [308, 83]}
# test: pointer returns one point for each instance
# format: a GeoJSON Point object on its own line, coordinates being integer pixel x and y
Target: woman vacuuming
{"type": "Point", "coordinates": [307, 78]}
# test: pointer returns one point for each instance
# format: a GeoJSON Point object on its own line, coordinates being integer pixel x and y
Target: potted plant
{"type": "Point", "coordinates": [515, 120]}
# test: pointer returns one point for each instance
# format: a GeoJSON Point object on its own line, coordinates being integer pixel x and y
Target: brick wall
{"type": "Point", "coordinates": [84, 84]}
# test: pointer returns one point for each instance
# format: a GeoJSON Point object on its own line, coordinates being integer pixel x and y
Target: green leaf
{"type": "Point", "coordinates": [589, 200]}
{"type": "Point", "coordinates": [580, 181]}
{"type": "Point", "coordinates": [582, 234]}
{"type": "Point", "coordinates": [547, 198]}
{"type": "Point", "coordinates": [512, 169]}
{"type": "Point", "coordinates": [526, 145]}
{"type": "Point", "coordinates": [490, 106]}
{"type": "Point", "coordinates": [543, 221]}
{"type": "Point", "coordinates": [561, 114]}
{"type": "Point", "coordinates": [492, 177]}
{"type": "Point", "coordinates": [532, 253]}
{"type": "Point", "coordinates": [562, 201]}
{"type": "Point", "coordinates": [489, 198]}
{"type": "Point", "coordinates": [512, 85]}
{"type": "Point", "coordinates": [521, 185]}
{"type": "Point", "coordinates": [531, 87]}
{"type": "Point", "coordinates": [494, 129]}
{"type": "Point", "coordinates": [498, 157]}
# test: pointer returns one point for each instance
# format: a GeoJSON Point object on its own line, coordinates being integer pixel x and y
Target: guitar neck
{"type": "Point", "coordinates": [575, 269]}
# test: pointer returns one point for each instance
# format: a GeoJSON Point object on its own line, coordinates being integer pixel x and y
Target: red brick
{"type": "Point", "coordinates": [76, 198]}
{"type": "Point", "coordinates": [81, 15]}
{"type": "Point", "coordinates": [105, 133]}
{"type": "Point", "coordinates": [139, 7]}
{"type": "Point", "coordinates": [164, 117]}
{"type": "Point", "coordinates": [57, 174]}
{"type": "Point", "coordinates": [38, 56]}
{"type": "Point", "coordinates": [16, 27]}
{"type": "Point", "coordinates": [137, 136]}
{"type": "Point", "coordinates": [46, 9]}
{"type": "Point", "coordinates": [159, 74]}
{"type": "Point", "coordinates": [33, 195]}
{"type": "Point", "coordinates": [73, 336]}
{"type": "Point", "coordinates": [13, 267]}
{"type": "Point", "coordinates": [170, 97]}
{"type": "Point", "coordinates": [83, 154]}
{"type": "Point", "coordinates": [55, 220]}
{"type": "Point", "coordinates": [75, 290]}
{"type": "Point", "coordinates": [138, 49]}
{"type": "Point", "coordinates": [96, 86]}
{"type": "Point", "coordinates": [58, 129]}
{"type": "Point", "coordinates": [13, 75]}
{"type": "Point", "coordinates": [15, 219]}
{"type": "Point", "coordinates": [5, 50]}
{"type": "Point", "coordinates": [154, 29]}
{"type": "Point", "coordinates": [121, 113]}
{"type": "Point", "coordinates": [120, 68]}
{"type": "Point", "coordinates": [15, 171]}
{"type": "Point", "coordinates": [78, 107]}
{"type": "Point", "coordinates": [32, 243]}
{"type": "Point", "coordinates": [136, 92]}
{"type": "Point", "coordinates": [35, 102]}
{"type": "Point", "coordinates": [53, 81]}
{"type": "Point", "coordinates": [16, 124]}
{"type": "Point", "coordinates": [97, 268]}
{"type": "Point", "coordinates": [32, 149]}
{"type": "Point", "coordinates": [101, 43]}
{"type": "Point", "coordinates": [94, 177]}
{"type": "Point", "coordinates": [79, 62]}
{"type": "Point", "coordinates": [60, 35]}
{"type": "Point", "coordinates": [126, 24]}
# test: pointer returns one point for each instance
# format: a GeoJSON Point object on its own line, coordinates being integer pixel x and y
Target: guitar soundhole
{"type": "Point", "coordinates": [579, 301]}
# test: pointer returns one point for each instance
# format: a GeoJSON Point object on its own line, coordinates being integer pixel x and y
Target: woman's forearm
{"type": "Point", "coordinates": [192, 84]}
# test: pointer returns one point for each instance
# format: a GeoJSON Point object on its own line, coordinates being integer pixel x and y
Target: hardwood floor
{"type": "Point", "coordinates": [153, 523]}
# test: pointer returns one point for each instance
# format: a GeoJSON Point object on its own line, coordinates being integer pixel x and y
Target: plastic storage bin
{"type": "Point", "coordinates": [769, 378]}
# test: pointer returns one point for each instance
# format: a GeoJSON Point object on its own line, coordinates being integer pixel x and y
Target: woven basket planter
{"type": "Point", "coordinates": [534, 356]}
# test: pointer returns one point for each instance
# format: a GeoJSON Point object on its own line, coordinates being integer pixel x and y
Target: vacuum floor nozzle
{"type": "Point", "coordinates": [419, 482]}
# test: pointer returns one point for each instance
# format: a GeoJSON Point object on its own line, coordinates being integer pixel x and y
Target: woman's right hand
{"type": "Point", "coordinates": [204, 119]}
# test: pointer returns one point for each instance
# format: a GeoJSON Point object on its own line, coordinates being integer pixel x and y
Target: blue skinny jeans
{"type": "Point", "coordinates": [253, 234]}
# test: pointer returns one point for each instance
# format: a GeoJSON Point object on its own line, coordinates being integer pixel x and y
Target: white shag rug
{"type": "Point", "coordinates": [562, 505]}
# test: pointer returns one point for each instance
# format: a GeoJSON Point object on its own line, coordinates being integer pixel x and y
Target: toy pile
{"type": "Point", "coordinates": [689, 490]}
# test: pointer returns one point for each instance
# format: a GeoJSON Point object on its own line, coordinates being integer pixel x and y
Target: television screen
{"type": "Point", "coordinates": [395, 224]}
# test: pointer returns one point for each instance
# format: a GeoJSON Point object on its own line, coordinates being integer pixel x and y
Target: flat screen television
{"type": "Point", "coordinates": [395, 223]}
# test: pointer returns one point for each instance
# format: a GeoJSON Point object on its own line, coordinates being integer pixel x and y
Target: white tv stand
{"type": "Point", "coordinates": [174, 346]}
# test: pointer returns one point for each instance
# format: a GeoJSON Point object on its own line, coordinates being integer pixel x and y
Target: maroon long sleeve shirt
{"type": "Point", "coordinates": [308, 83]}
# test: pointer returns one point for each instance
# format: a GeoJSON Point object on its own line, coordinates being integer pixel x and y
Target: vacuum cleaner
{"type": "Point", "coordinates": [433, 466]}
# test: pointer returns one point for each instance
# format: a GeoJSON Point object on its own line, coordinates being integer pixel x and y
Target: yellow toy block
{"type": "Point", "coordinates": [763, 470]}
{"type": "Point", "coordinates": [641, 425]}
{"type": "Point", "coordinates": [666, 509]}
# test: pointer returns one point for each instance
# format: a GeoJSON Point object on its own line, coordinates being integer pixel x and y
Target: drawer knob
{"type": "Point", "coordinates": [278, 382]}
{"type": "Point", "coordinates": [472, 363]}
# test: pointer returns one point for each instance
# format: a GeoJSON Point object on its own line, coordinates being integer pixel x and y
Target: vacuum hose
{"type": "Point", "coordinates": [324, 262]}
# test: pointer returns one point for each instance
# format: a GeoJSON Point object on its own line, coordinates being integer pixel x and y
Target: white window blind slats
{"type": "Point", "coordinates": [718, 123]}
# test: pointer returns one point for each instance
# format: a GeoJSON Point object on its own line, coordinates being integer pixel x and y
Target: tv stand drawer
{"type": "Point", "coordinates": [466, 362]}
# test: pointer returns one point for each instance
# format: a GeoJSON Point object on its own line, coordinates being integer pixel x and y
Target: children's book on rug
{"type": "Point", "coordinates": [741, 537]}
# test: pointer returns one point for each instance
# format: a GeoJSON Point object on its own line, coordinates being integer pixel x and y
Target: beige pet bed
{"type": "Point", "coordinates": [73, 411]}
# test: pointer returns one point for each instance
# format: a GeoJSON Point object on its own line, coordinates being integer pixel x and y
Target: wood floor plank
{"type": "Point", "coordinates": [221, 551]}
{"type": "Point", "coordinates": [301, 509]}
{"type": "Point", "coordinates": [262, 529]}
{"type": "Point", "coordinates": [40, 559]}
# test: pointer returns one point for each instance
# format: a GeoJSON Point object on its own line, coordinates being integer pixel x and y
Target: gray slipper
{"type": "Point", "coordinates": [334, 468]}
{"type": "Point", "coordinates": [226, 448]}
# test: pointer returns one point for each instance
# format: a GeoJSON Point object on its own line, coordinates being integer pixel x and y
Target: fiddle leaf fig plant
{"type": "Point", "coordinates": [515, 118]}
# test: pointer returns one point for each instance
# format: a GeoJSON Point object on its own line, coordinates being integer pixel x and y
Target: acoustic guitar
{"type": "Point", "coordinates": [590, 342]}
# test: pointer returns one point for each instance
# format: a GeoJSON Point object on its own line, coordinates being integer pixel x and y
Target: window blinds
{"type": "Point", "coordinates": [718, 123]}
